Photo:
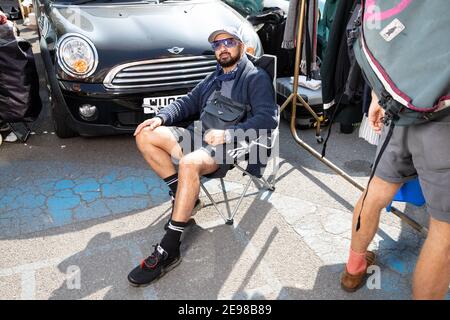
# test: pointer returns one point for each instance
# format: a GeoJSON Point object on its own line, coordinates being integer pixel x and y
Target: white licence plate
{"type": "Point", "coordinates": [152, 105]}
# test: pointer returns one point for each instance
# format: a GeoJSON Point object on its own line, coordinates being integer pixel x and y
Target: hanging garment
{"type": "Point", "coordinates": [290, 32]}
{"type": "Point", "coordinates": [342, 81]}
{"type": "Point", "coordinates": [271, 36]}
{"type": "Point", "coordinates": [336, 63]}
{"type": "Point", "coordinates": [308, 64]}
{"type": "Point", "coordinates": [325, 24]}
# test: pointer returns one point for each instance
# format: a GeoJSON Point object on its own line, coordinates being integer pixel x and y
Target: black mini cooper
{"type": "Point", "coordinates": [110, 64]}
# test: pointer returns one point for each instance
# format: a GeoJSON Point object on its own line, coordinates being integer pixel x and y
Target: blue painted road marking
{"type": "Point", "coordinates": [35, 196]}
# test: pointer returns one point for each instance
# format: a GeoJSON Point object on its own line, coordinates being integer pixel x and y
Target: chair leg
{"type": "Point", "coordinates": [258, 181]}
{"type": "Point", "coordinates": [269, 186]}
{"type": "Point", "coordinates": [272, 178]}
{"type": "Point", "coordinates": [230, 219]}
{"type": "Point", "coordinates": [212, 201]}
{"type": "Point", "coordinates": [225, 197]}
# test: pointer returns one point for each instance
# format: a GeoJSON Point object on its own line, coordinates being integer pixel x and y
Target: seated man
{"type": "Point", "coordinates": [235, 85]}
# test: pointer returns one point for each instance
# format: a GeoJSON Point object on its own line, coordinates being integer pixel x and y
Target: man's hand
{"type": "Point", "coordinates": [376, 113]}
{"type": "Point", "coordinates": [3, 18]}
{"type": "Point", "coordinates": [151, 124]}
{"type": "Point", "coordinates": [215, 137]}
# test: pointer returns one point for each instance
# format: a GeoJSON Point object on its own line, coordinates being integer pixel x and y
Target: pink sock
{"type": "Point", "coordinates": [356, 262]}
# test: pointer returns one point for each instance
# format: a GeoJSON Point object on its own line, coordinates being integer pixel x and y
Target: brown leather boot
{"type": "Point", "coordinates": [350, 282]}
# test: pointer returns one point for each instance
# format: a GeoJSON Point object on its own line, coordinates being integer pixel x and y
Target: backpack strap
{"type": "Point", "coordinates": [372, 174]}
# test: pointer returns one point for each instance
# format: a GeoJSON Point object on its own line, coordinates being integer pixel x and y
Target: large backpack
{"type": "Point", "coordinates": [403, 47]}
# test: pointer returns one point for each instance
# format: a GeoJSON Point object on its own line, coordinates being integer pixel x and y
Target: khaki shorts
{"type": "Point", "coordinates": [421, 150]}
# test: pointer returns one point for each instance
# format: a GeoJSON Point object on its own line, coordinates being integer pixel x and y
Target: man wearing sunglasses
{"type": "Point", "coordinates": [236, 84]}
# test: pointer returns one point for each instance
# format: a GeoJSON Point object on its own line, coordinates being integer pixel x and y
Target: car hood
{"type": "Point", "coordinates": [123, 33]}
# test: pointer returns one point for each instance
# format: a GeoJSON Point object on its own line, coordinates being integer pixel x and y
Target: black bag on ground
{"type": "Point", "coordinates": [19, 81]}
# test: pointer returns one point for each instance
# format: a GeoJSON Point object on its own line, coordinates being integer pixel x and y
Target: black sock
{"type": "Point", "coordinates": [171, 240]}
{"type": "Point", "coordinates": [172, 183]}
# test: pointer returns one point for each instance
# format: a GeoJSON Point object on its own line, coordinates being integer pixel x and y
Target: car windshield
{"type": "Point", "coordinates": [79, 2]}
{"type": "Point", "coordinates": [254, 7]}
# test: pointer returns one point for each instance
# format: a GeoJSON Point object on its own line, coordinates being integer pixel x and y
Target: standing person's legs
{"type": "Point", "coordinates": [421, 150]}
{"type": "Point", "coordinates": [430, 148]}
{"type": "Point", "coordinates": [395, 168]}
{"type": "Point", "coordinates": [432, 275]}
{"type": "Point", "coordinates": [380, 193]}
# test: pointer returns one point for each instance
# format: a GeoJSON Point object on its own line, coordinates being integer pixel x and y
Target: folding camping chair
{"type": "Point", "coordinates": [242, 152]}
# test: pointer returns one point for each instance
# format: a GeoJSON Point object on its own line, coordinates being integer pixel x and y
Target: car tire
{"type": "Point", "coordinates": [60, 119]}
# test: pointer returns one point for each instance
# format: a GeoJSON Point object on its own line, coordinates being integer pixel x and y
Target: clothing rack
{"type": "Point", "coordinates": [294, 97]}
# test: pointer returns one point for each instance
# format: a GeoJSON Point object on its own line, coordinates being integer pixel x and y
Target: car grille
{"type": "Point", "coordinates": [174, 72]}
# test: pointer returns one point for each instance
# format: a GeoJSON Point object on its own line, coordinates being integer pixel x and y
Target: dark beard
{"type": "Point", "coordinates": [229, 63]}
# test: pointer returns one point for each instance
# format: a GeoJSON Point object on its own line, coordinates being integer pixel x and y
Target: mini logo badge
{"type": "Point", "coordinates": [175, 50]}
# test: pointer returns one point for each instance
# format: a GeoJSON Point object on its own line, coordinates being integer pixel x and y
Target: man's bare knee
{"type": "Point", "coordinates": [439, 234]}
{"type": "Point", "coordinates": [380, 193]}
{"type": "Point", "coordinates": [189, 165]}
{"type": "Point", "coordinates": [148, 138]}
{"type": "Point", "coordinates": [144, 141]}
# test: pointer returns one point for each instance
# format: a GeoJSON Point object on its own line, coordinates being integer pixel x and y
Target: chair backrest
{"type": "Point", "coordinates": [267, 62]}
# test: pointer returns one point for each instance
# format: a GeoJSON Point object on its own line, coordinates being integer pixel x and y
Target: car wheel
{"type": "Point", "coordinates": [60, 119]}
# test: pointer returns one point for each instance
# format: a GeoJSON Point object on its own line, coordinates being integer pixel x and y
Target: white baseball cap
{"type": "Point", "coordinates": [232, 31]}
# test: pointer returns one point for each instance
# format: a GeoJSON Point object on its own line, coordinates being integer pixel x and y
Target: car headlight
{"type": "Point", "coordinates": [77, 55]}
{"type": "Point", "coordinates": [251, 40]}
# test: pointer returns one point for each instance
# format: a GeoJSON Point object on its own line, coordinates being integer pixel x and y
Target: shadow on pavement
{"type": "Point", "coordinates": [209, 258]}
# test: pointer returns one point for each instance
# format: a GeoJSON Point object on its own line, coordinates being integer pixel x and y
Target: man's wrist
{"type": "Point", "coordinates": [161, 118]}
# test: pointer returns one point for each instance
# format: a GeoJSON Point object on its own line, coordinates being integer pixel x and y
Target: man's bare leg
{"type": "Point", "coordinates": [166, 255]}
{"type": "Point", "coordinates": [191, 168]}
{"type": "Point", "coordinates": [380, 194]}
{"type": "Point", "coordinates": [432, 275]}
{"type": "Point", "coordinates": [158, 146]}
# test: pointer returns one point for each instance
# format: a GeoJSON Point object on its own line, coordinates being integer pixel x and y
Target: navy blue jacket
{"type": "Point", "coordinates": [252, 86]}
